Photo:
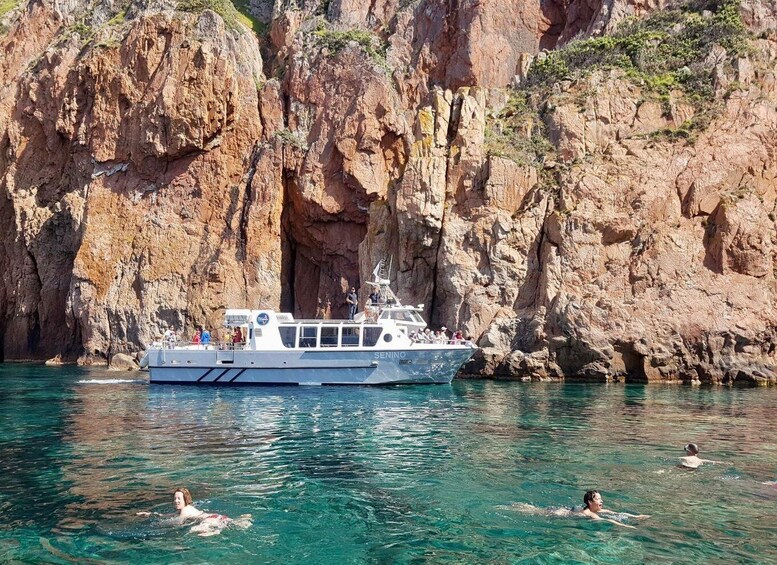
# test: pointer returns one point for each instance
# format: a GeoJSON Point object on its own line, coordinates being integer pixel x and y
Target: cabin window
{"type": "Point", "coordinates": [329, 336]}
{"type": "Point", "coordinates": [350, 337]}
{"type": "Point", "coordinates": [308, 336]}
{"type": "Point", "coordinates": [403, 316]}
{"type": "Point", "coordinates": [387, 338]}
{"type": "Point", "coordinates": [371, 335]}
{"type": "Point", "coordinates": [288, 335]}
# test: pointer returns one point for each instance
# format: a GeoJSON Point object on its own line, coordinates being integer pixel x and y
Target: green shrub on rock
{"type": "Point", "coordinates": [665, 51]}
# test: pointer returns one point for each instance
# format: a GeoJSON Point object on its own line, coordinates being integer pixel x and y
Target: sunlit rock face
{"type": "Point", "coordinates": [141, 187]}
{"type": "Point", "coordinates": [158, 166]}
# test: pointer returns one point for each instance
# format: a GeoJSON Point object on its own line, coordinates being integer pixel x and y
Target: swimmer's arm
{"type": "Point", "coordinates": [146, 514]}
{"type": "Point", "coordinates": [624, 514]}
{"type": "Point", "coordinates": [596, 517]}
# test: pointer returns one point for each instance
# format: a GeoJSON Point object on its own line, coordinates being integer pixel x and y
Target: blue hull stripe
{"type": "Point", "coordinates": [284, 368]}
{"type": "Point", "coordinates": [206, 374]}
{"type": "Point", "coordinates": [236, 376]}
{"type": "Point", "coordinates": [224, 372]}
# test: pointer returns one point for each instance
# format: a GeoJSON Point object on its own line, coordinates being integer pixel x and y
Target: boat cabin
{"type": "Point", "coordinates": [270, 330]}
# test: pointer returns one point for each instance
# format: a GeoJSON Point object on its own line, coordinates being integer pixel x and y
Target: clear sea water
{"type": "Point", "coordinates": [381, 475]}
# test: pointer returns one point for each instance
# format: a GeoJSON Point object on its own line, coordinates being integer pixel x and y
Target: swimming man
{"type": "Point", "coordinates": [692, 459]}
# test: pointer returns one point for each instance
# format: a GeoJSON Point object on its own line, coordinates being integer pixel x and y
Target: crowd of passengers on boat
{"type": "Point", "coordinates": [300, 335]}
{"type": "Point", "coordinates": [438, 336]}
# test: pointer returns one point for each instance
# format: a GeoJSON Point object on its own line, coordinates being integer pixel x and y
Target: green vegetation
{"type": "Point", "coordinates": [517, 132]}
{"type": "Point", "coordinates": [690, 128]}
{"type": "Point", "coordinates": [108, 43]}
{"type": "Point", "coordinates": [289, 137]}
{"type": "Point", "coordinates": [246, 18]}
{"type": "Point", "coordinates": [119, 18]}
{"type": "Point", "coordinates": [336, 41]}
{"type": "Point", "coordinates": [83, 30]}
{"type": "Point", "coordinates": [665, 51]}
{"type": "Point", "coordinates": [7, 5]}
{"type": "Point", "coordinates": [234, 14]}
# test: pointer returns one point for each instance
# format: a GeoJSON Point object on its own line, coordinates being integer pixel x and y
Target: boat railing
{"type": "Point", "coordinates": [443, 342]}
{"type": "Point", "coordinates": [213, 345]}
{"type": "Point", "coordinates": [320, 322]}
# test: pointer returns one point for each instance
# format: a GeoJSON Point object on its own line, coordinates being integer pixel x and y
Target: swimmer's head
{"type": "Point", "coordinates": [692, 449]}
{"type": "Point", "coordinates": [181, 498]}
{"type": "Point", "coordinates": [593, 500]}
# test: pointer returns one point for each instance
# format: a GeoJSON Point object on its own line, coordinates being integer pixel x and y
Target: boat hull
{"type": "Point", "coordinates": [435, 365]}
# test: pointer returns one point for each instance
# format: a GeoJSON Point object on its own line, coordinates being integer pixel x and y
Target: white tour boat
{"type": "Point", "coordinates": [375, 348]}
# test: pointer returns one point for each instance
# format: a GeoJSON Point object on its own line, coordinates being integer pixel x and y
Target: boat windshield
{"type": "Point", "coordinates": [402, 316]}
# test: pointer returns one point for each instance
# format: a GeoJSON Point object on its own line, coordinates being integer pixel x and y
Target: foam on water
{"type": "Point", "coordinates": [109, 381]}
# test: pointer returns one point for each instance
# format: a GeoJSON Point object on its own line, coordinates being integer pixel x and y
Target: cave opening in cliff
{"type": "Point", "coordinates": [288, 250]}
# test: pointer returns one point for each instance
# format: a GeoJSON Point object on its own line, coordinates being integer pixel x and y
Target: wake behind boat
{"type": "Point", "coordinates": [378, 347]}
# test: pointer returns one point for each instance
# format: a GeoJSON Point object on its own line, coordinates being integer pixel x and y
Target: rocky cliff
{"type": "Point", "coordinates": [588, 188]}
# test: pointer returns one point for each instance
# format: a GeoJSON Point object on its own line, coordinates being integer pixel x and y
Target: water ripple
{"type": "Point", "coordinates": [354, 475]}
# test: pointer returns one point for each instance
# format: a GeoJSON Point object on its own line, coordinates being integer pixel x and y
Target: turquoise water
{"type": "Point", "coordinates": [381, 475]}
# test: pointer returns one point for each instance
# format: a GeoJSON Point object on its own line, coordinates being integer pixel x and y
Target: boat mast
{"type": "Point", "coordinates": [380, 280]}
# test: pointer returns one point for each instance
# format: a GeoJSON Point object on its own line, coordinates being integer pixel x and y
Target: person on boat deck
{"type": "Point", "coordinates": [692, 459]}
{"type": "Point", "coordinates": [205, 336]}
{"type": "Point", "coordinates": [238, 336]}
{"type": "Point", "coordinates": [374, 297]}
{"type": "Point", "coordinates": [169, 335]}
{"type": "Point", "coordinates": [593, 505]}
{"type": "Point", "coordinates": [196, 337]}
{"type": "Point", "coordinates": [209, 524]}
{"type": "Point", "coordinates": [353, 301]}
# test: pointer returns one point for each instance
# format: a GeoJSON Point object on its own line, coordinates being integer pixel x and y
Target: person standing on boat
{"type": "Point", "coordinates": [169, 336]}
{"type": "Point", "coordinates": [205, 336]}
{"type": "Point", "coordinates": [374, 298]}
{"type": "Point", "coordinates": [353, 301]}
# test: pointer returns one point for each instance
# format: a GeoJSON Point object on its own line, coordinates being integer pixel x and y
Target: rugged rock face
{"type": "Point", "coordinates": [131, 197]}
{"type": "Point", "coordinates": [153, 173]}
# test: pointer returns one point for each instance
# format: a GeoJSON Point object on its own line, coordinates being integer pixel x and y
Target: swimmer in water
{"type": "Point", "coordinates": [593, 505]}
{"type": "Point", "coordinates": [208, 524]}
{"type": "Point", "coordinates": [692, 459]}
